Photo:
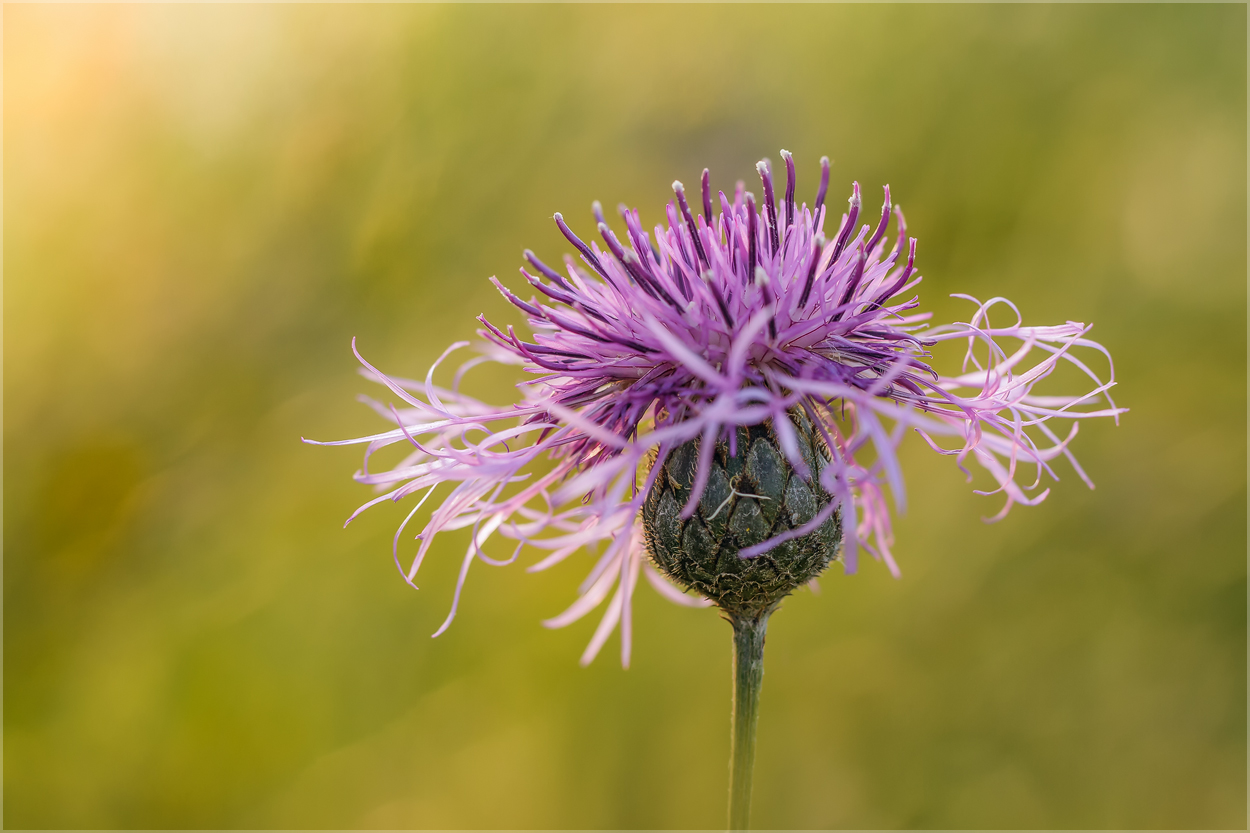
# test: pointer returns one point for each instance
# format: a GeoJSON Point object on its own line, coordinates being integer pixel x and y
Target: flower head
{"type": "Point", "coordinates": [738, 312]}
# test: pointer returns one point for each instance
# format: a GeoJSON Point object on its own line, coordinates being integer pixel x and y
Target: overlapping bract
{"type": "Point", "coordinates": [731, 316]}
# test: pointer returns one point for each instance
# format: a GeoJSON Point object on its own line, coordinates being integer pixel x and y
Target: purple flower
{"type": "Point", "coordinates": [736, 315]}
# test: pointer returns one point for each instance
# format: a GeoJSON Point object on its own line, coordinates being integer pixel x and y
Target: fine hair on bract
{"type": "Point", "coordinates": [735, 311]}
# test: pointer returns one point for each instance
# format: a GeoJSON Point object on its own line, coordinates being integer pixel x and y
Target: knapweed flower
{"type": "Point", "coordinates": [660, 363]}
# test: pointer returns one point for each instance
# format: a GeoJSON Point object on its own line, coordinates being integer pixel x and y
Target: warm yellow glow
{"type": "Point", "coordinates": [203, 204]}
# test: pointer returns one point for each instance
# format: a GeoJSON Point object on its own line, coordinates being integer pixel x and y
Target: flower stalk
{"type": "Point", "coordinates": [748, 674]}
{"type": "Point", "coordinates": [718, 409]}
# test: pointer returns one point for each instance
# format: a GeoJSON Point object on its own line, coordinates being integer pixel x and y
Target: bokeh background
{"type": "Point", "coordinates": [203, 204]}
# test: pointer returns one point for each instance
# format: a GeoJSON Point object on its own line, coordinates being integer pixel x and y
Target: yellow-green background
{"type": "Point", "coordinates": [202, 205]}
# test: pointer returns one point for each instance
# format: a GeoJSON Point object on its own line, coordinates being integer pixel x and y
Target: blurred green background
{"type": "Point", "coordinates": [203, 204]}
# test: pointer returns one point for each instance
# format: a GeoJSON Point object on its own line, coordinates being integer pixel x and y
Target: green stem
{"type": "Point", "coordinates": [748, 677]}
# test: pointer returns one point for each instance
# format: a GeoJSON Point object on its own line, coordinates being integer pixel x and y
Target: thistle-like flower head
{"type": "Point", "coordinates": [738, 312]}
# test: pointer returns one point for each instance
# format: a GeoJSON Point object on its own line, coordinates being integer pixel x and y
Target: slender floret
{"type": "Point", "coordinates": [754, 314]}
